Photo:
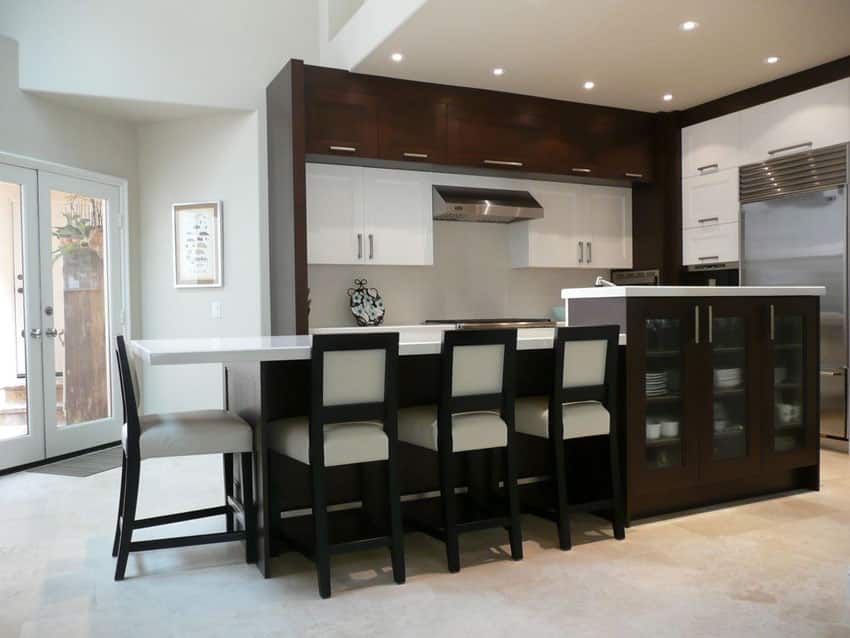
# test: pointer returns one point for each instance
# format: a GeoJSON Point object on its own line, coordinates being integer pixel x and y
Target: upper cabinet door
{"type": "Point", "coordinates": [342, 123]}
{"type": "Point", "coordinates": [711, 146]}
{"type": "Point", "coordinates": [553, 241]}
{"type": "Point", "coordinates": [609, 227]}
{"type": "Point", "coordinates": [399, 223]}
{"type": "Point", "coordinates": [335, 223]}
{"type": "Point", "coordinates": [508, 135]}
{"type": "Point", "coordinates": [413, 128]}
{"type": "Point", "coordinates": [810, 119]}
{"type": "Point", "coordinates": [710, 199]}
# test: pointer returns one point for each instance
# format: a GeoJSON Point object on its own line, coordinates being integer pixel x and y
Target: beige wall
{"type": "Point", "coordinates": [471, 277]}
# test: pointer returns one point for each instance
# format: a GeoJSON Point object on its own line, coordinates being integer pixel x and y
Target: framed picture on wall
{"type": "Point", "coordinates": [197, 244]}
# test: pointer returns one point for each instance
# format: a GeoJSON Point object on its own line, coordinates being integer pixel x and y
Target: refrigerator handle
{"type": "Point", "coordinates": [772, 322]}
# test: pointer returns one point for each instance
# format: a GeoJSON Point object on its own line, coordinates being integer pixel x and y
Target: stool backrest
{"type": "Point", "coordinates": [128, 397]}
{"type": "Point", "coordinates": [585, 367]}
{"type": "Point", "coordinates": [353, 377]}
{"type": "Point", "coordinates": [478, 372]}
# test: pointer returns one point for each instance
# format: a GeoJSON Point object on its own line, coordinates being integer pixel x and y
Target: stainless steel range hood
{"type": "Point", "coordinates": [461, 204]}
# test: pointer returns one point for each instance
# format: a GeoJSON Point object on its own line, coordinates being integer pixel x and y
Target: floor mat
{"type": "Point", "coordinates": [84, 465]}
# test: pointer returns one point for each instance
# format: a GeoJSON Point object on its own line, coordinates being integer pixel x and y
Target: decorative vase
{"type": "Point", "coordinates": [367, 306]}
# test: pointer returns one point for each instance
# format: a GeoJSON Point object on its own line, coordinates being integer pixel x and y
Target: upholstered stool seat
{"type": "Point", "coordinates": [470, 430]}
{"type": "Point", "coordinates": [345, 443]}
{"type": "Point", "coordinates": [582, 418]}
{"type": "Point", "coordinates": [194, 432]}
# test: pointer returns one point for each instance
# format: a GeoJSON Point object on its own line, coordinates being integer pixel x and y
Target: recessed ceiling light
{"type": "Point", "coordinates": [498, 71]}
{"type": "Point", "coordinates": [397, 57]}
{"type": "Point", "coordinates": [589, 85]}
{"type": "Point", "coordinates": [773, 59]}
{"type": "Point", "coordinates": [667, 97]}
{"type": "Point", "coordinates": [689, 25]}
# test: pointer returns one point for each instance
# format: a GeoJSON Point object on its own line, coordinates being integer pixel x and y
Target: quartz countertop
{"type": "Point", "coordinates": [691, 291]}
{"type": "Point", "coordinates": [413, 340]}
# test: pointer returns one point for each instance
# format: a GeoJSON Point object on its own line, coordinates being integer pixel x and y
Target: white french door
{"type": "Point", "coordinates": [61, 283]}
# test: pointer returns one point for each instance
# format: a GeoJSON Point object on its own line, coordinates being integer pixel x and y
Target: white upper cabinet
{"type": "Point", "coordinates": [810, 119]}
{"type": "Point", "coordinates": [711, 146]}
{"type": "Point", "coordinates": [366, 216]}
{"type": "Point", "coordinates": [335, 220]}
{"type": "Point", "coordinates": [399, 220]}
{"type": "Point", "coordinates": [710, 199]}
{"type": "Point", "coordinates": [583, 226]}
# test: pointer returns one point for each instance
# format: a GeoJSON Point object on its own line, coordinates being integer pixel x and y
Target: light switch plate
{"type": "Point", "coordinates": [215, 310]}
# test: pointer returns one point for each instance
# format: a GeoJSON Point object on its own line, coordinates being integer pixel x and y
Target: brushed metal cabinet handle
{"type": "Point", "coordinates": [772, 323]}
{"type": "Point", "coordinates": [696, 324]}
{"type": "Point", "coordinates": [580, 170]}
{"type": "Point", "coordinates": [710, 327]}
{"type": "Point", "coordinates": [502, 162]}
{"type": "Point", "coordinates": [344, 149]}
{"type": "Point", "coordinates": [359, 245]}
{"type": "Point", "coordinates": [581, 252]}
{"type": "Point", "coordinates": [371, 246]}
{"type": "Point", "coordinates": [635, 175]}
{"type": "Point", "coordinates": [700, 169]}
{"type": "Point", "coordinates": [589, 253]}
{"type": "Point", "coordinates": [708, 219]}
{"type": "Point", "coordinates": [789, 148]}
{"type": "Point", "coordinates": [415, 155]}
{"type": "Point", "coordinates": [708, 258]}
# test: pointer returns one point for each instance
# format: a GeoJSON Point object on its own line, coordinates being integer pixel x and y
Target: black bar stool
{"type": "Point", "coordinates": [475, 412]}
{"type": "Point", "coordinates": [353, 419]}
{"type": "Point", "coordinates": [583, 403]}
{"type": "Point", "coordinates": [180, 434]}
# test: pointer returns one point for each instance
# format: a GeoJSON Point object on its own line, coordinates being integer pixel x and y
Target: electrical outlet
{"type": "Point", "coordinates": [215, 310]}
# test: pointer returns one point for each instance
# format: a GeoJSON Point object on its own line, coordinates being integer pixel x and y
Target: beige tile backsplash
{"type": "Point", "coordinates": [471, 277]}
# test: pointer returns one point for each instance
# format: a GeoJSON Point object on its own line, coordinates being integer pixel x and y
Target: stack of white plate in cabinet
{"type": "Point", "coordinates": [656, 383]}
{"type": "Point", "coordinates": [727, 377]}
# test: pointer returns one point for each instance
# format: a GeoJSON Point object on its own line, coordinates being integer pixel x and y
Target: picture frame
{"type": "Point", "coordinates": [197, 244]}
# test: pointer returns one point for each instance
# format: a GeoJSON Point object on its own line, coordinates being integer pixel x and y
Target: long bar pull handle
{"type": "Point", "coordinates": [580, 170]}
{"type": "Point", "coordinates": [700, 169]}
{"type": "Point", "coordinates": [696, 324]}
{"type": "Point", "coordinates": [344, 149]}
{"type": "Point", "coordinates": [789, 148]}
{"type": "Point", "coordinates": [589, 253]}
{"type": "Point", "coordinates": [415, 155]}
{"type": "Point", "coordinates": [581, 252]}
{"type": "Point", "coordinates": [502, 163]}
{"type": "Point", "coordinates": [710, 321]}
{"type": "Point", "coordinates": [772, 322]}
{"type": "Point", "coordinates": [371, 246]}
{"type": "Point", "coordinates": [359, 245]}
{"type": "Point", "coordinates": [704, 220]}
{"type": "Point", "coordinates": [635, 175]}
{"type": "Point", "coordinates": [709, 258]}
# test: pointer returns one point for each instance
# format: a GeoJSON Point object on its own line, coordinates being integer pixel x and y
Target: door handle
{"type": "Point", "coordinates": [772, 323]}
{"type": "Point", "coordinates": [789, 148]}
{"type": "Point", "coordinates": [359, 245]}
{"type": "Point", "coordinates": [589, 253]}
{"type": "Point", "coordinates": [696, 324]}
{"type": "Point", "coordinates": [833, 373]}
{"type": "Point", "coordinates": [700, 169]}
{"type": "Point", "coordinates": [415, 155]}
{"type": "Point", "coordinates": [580, 170]}
{"type": "Point", "coordinates": [51, 332]}
{"type": "Point", "coordinates": [705, 220]}
{"type": "Point", "coordinates": [371, 246]}
{"type": "Point", "coordinates": [35, 333]}
{"type": "Point", "coordinates": [493, 162]}
{"type": "Point", "coordinates": [344, 149]}
{"type": "Point", "coordinates": [581, 252]}
{"type": "Point", "coordinates": [635, 175]}
{"type": "Point", "coordinates": [710, 321]}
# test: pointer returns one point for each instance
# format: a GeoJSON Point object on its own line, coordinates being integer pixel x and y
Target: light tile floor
{"type": "Point", "coordinates": [776, 567]}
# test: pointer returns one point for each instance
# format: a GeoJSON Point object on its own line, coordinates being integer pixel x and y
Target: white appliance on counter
{"type": "Point", "coordinates": [795, 232]}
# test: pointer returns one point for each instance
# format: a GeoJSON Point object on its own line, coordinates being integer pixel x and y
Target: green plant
{"type": "Point", "coordinates": [75, 235]}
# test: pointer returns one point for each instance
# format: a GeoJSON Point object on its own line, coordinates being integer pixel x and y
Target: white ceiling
{"type": "Point", "coordinates": [632, 49]}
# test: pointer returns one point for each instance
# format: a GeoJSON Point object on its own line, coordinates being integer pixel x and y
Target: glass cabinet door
{"type": "Point", "coordinates": [728, 343]}
{"type": "Point", "coordinates": [789, 432]}
{"type": "Point", "coordinates": [663, 377]}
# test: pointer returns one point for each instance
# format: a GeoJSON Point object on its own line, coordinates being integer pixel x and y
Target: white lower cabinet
{"type": "Point", "coordinates": [583, 226]}
{"type": "Point", "coordinates": [714, 244]}
{"type": "Point", "coordinates": [710, 199]}
{"type": "Point", "coordinates": [369, 216]}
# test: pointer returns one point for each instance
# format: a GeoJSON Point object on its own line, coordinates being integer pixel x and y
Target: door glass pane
{"type": "Point", "coordinates": [663, 385]}
{"type": "Point", "coordinates": [13, 372]}
{"type": "Point", "coordinates": [788, 367]}
{"type": "Point", "coordinates": [729, 362]}
{"type": "Point", "coordinates": [80, 307]}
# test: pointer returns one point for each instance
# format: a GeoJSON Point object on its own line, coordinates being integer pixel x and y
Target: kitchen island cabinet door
{"type": "Point", "coordinates": [792, 382]}
{"type": "Point", "coordinates": [665, 378]}
{"type": "Point", "coordinates": [729, 445]}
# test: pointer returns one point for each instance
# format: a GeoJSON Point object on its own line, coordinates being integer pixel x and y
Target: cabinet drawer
{"type": "Point", "coordinates": [712, 145]}
{"type": "Point", "coordinates": [809, 119]}
{"type": "Point", "coordinates": [710, 199]}
{"type": "Point", "coordinates": [710, 244]}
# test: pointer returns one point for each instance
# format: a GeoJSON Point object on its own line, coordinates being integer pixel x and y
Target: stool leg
{"type": "Point", "coordinates": [120, 505]}
{"type": "Point", "coordinates": [128, 515]}
{"type": "Point", "coordinates": [617, 503]}
{"type": "Point", "coordinates": [515, 532]}
{"type": "Point", "coordinates": [249, 508]}
{"type": "Point", "coordinates": [228, 488]}
{"type": "Point", "coordinates": [562, 502]}
{"type": "Point", "coordinates": [449, 502]}
{"type": "Point", "coordinates": [320, 522]}
{"type": "Point", "coordinates": [396, 527]}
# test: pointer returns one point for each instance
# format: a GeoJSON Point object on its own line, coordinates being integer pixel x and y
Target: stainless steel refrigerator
{"type": "Point", "coordinates": [794, 232]}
